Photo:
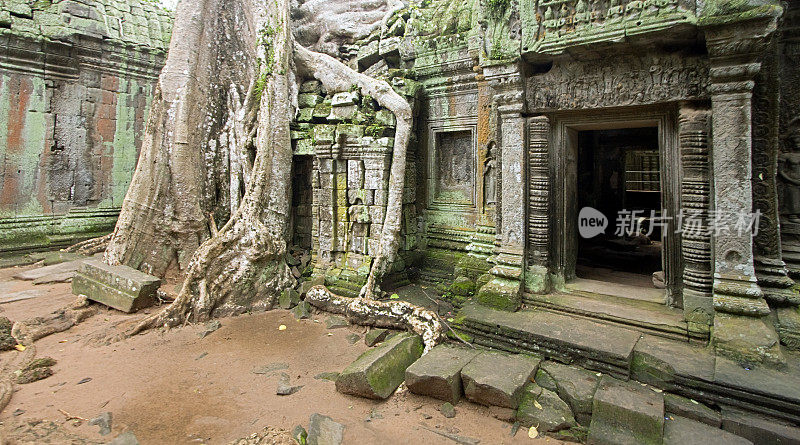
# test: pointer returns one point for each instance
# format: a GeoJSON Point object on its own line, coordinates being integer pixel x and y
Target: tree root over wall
{"type": "Point", "coordinates": [241, 267]}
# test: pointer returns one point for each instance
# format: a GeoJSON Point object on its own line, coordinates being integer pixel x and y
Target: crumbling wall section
{"type": "Point", "coordinates": [76, 80]}
{"type": "Point", "coordinates": [351, 138]}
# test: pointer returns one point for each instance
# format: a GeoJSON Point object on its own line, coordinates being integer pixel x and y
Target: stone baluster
{"type": "Point", "coordinates": [693, 135]}
{"type": "Point", "coordinates": [741, 330]}
{"type": "Point", "coordinates": [537, 275]}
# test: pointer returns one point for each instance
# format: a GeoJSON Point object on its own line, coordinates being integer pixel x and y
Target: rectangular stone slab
{"type": "Point", "coordinates": [39, 272]}
{"type": "Point", "coordinates": [497, 379]}
{"type": "Point", "coordinates": [438, 373]}
{"type": "Point", "coordinates": [120, 287]}
{"type": "Point", "coordinates": [682, 431]}
{"type": "Point", "coordinates": [379, 371]}
{"type": "Point", "coordinates": [626, 413]}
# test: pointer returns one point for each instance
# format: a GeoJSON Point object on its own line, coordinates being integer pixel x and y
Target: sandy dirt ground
{"type": "Point", "coordinates": [174, 387]}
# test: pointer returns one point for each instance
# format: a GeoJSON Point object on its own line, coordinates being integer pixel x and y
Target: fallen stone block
{"type": "Point", "coordinates": [375, 336]}
{"type": "Point", "coordinates": [336, 322]}
{"type": "Point", "coordinates": [379, 371]}
{"type": "Point", "coordinates": [62, 277]}
{"type": "Point", "coordinates": [22, 295]}
{"type": "Point", "coordinates": [289, 298]}
{"type": "Point", "coordinates": [119, 287]}
{"type": "Point", "coordinates": [543, 409]}
{"type": "Point", "coordinates": [302, 311]}
{"type": "Point", "coordinates": [438, 373]}
{"type": "Point", "coordinates": [690, 409]}
{"type": "Point", "coordinates": [51, 258]}
{"type": "Point", "coordinates": [576, 386]}
{"type": "Point", "coordinates": [496, 378]}
{"type": "Point", "coordinates": [682, 431]}
{"type": "Point", "coordinates": [322, 430]}
{"type": "Point", "coordinates": [626, 413]}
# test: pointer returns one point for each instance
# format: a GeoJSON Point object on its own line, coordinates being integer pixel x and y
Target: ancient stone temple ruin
{"type": "Point", "coordinates": [613, 184]}
{"type": "Point", "coordinates": [76, 82]}
{"type": "Point", "coordinates": [682, 114]}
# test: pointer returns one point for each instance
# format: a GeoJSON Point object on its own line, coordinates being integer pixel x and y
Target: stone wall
{"type": "Point", "coordinates": [350, 139]}
{"type": "Point", "coordinates": [76, 81]}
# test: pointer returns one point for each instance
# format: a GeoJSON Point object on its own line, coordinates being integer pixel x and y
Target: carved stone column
{"type": "Point", "coordinates": [503, 291]}
{"type": "Point", "coordinates": [771, 271]}
{"type": "Point", "coordinates": [741, 329]}
{"type": "Point", "coordinates": [537, 275]}
{"type": "Point", "coordinates": [693, 133]}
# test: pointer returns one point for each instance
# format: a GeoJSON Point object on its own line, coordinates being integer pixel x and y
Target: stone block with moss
{"type": "Point", "coordinates": [626, 412]}
{"type": "Point", "coordinates": [377, 373]}
{"type": "Point", "coordinates": [501, 293]}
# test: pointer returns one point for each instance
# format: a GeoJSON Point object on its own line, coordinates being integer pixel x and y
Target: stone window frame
{"type": "Point", "coordinates": [434, 131]}
{"type": "Point", "coordinates": [563, 147]}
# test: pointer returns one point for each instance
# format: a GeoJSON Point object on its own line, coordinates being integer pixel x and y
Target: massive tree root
{"type": "Point", "coordinates": [90, 246]}
{"type": "Point", "coordinates": [384, 314]}
{"type": "Point", "coordinates": [27, 332]}
{"type": "Point", "coordinates": [241, 267]}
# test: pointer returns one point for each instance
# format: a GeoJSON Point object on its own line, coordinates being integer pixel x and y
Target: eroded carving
{"type": "Point", "coordinates": [630, 80]}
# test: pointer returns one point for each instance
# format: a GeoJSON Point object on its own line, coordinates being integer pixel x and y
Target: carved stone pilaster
{"type": "Point", "coordinates": [537, 274]}
{"type": "Point", "coordinates": [741, 330]}
{"type": "Point", "coordinates": [787, 315]}
{"type": "Point", "coordinates": [773, 277]}
{"type": "Point", "coordinates": [503, 291]}
{"type": "Point", "coordinates": [693, 133]}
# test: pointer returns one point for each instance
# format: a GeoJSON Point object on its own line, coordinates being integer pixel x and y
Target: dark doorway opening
{"type": "Point", "coordinates": [619, 174]}
{"type": "Point", "coordinates": [302, 168]}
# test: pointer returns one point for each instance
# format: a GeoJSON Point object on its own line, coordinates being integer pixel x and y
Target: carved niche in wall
{"type": "Point", "coordinates": [454, 168]}
{"type": "Point", "coordinates": [628, 80]}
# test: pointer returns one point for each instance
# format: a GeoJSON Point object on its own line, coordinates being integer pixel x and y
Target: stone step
{"type": "Point", "coordinates": [120, 287]}
{"type": "Point", "coordinates": [378, 372]}
{"type": "Point", "coordinates": [682, 431]}
{"type": "Point", "coordinates": [626, 413]}
{"type": "Point", "coordinates": [586, 343]}
{"type": "Point", "coordinates": [438, 373]}
{"type": "Point", "coordinates": [655, 319]}
{"type": "Point", "coordinates": [679, 367]}
{"type": "Point", "coordinates": [698, 374]}
{"type": "Point", "coordinates": [759, 430]}
{"type": "Point", "coordinates": [495, 378]}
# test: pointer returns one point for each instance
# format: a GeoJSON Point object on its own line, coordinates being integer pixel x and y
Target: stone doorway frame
{"type": "Point", "coordinates": [563, 169]}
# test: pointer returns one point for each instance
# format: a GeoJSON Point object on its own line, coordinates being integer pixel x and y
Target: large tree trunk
{"type": "Point", "coordinates": [241, 267]}
{"type": "Point", "coordinates": [163, 221]}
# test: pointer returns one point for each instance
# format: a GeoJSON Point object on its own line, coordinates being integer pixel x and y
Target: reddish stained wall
{"type": "Point", "coordinates": [19, 92]}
